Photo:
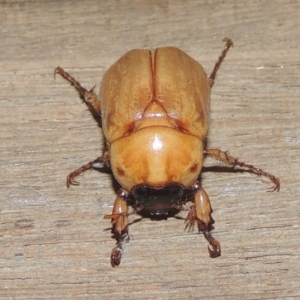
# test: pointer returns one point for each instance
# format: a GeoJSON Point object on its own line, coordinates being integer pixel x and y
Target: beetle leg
{"type": "Point", "coordinates": [212, 77]}
{"type": "Point", "coordinates": [229, 160]}
{"type": "Point", "coordinates": [103, 159]}
{"type": "Point", "coordinates": [119, 219]}
{"type": "Point", "coordinates": [201, 212]}
{"type": "Point", "coordinates": [89, 96]}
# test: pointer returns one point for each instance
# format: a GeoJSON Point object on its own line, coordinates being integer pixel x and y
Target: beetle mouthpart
{"type": "Point", "coordinates": [157, 201]}
{"type": "Point", "coordinates": [160, 213]}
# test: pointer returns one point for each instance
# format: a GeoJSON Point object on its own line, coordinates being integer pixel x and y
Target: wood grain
{"type": "Point", "coordinates": [54, 243]}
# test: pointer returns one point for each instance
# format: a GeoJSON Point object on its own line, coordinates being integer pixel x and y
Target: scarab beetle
{"type": "Point", "coordinates": [154, 106]}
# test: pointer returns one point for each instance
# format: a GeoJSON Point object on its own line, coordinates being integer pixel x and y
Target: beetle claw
{"type": "Point", "coordinates": [116, 255]}
{"type": "Point", "coordinates": [275, 187]}
{"type": "Point", "coordinates": [214, 251]}
{"type": "Point", "coordinates": [214, 247]}
{"type": "Point", "coordinates": [71, 176]}
{"type": "Point", "coordinates": [71, 181]}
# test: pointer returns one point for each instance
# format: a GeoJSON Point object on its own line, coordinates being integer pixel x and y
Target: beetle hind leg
{"type": "Point", "coordinates": [224, 157]}
{"type": "Point", "coordinates": [201, 212]}
{"type": "Point", "coordinates": [89, 96]}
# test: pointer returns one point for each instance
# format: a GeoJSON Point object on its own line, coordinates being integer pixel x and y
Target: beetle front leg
{"type": "Point", "coordinates": [201, 212]}
{"type": "Point", "coordinates": [229, 160]}
{"type": "Point", "coordinates": [89, 96]}
{"type": "Point", "coordinates": [103, 159]}
{"type": "Point", "coordinates": [119, 219]}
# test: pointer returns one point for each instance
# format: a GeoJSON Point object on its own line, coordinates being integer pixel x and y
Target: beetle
{"type": "Point", "coordinates": [154, 107]}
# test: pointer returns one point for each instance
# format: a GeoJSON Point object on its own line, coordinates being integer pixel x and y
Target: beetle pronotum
{"type": "Point", "coordinates": [154, 106]}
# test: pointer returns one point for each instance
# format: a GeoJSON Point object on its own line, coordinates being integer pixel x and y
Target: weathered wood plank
{"type": "Point", "coordinates": [54, 241]}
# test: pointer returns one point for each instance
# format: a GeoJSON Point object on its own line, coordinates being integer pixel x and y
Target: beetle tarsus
{"type": "Point", "coordinates": [214, 247]}
{"type": "Point", "coordinates": [116, 254]}
{"type": "Point", "coordinates": [88, 166]}
{"type": "Point", "coordinates": [212, 77]}
{"type": "Point", "coordinates": [224, 157]}
{"type": "Point", "coordinates": [89, 96]}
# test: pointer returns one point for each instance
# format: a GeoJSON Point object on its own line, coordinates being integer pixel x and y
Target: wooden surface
{"type": "Point", "coordinates": [54, 242]}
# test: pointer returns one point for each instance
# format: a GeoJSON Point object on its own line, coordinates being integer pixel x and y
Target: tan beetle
{"type": "Point", "coordinates": [154, 106]}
